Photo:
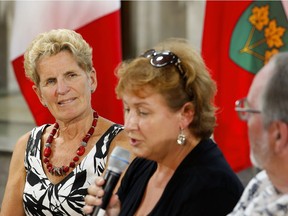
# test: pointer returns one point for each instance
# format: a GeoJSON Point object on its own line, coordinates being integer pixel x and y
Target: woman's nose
{"type": "Point", "coordinates": [130, 121]}
{"type": "Point", "coordinates": [62, 87]}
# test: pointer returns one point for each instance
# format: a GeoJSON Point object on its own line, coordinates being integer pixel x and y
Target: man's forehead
{"type": "Point", "coordinates": [260, 81]}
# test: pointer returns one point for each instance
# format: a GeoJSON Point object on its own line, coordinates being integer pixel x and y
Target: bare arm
{"type": "Point", "coordinates": [12, 202]}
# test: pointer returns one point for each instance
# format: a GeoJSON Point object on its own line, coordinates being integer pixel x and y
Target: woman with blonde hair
{"type": "Point", "coordinates": [53, 165]}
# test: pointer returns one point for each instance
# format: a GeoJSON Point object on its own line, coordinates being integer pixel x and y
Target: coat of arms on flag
{"type": "Point", "coordinates": [259, 34]}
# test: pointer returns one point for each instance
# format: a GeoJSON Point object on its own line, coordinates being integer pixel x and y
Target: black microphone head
{"type": "Point", "coordinates": [119, 160]}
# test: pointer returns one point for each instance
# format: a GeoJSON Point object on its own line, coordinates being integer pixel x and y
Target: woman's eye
{"type": "Point", "coordinates": [142, 113]}
{"type": "Point", "coordinates": [50, 81]}
{"type": "Point", "coordinates": [126, 110]}
{"type": "Point", "coordinates": [72, 75]}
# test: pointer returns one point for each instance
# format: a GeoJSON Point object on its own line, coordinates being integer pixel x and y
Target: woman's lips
{"type": "Point", "coordinates": [133, 142]}
{"type": "Point", "coordinates": [63, 102]}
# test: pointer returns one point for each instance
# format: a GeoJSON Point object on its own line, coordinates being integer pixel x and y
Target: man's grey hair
{"type": "Point", "coordinates": [275, 95]}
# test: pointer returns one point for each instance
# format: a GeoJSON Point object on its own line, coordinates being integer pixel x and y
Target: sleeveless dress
{"type": "Point", "coordinates": [41, 197]}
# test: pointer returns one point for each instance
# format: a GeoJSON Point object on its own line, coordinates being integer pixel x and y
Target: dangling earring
{"type": "Point", "coordinates": [181, 137]}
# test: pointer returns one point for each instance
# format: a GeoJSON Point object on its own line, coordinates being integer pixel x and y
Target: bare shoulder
{"type": "Point", "coordinates": [104, 124]}
{"type": "Point", "coordinates": [20, 146]}
{"type": "Point", "coordinates": [121, 139]}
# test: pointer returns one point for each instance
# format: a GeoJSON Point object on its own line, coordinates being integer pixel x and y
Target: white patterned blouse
{"type": "Point", "coordinates": [41, 197]}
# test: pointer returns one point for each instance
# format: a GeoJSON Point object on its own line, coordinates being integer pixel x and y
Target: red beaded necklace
{"type": "Point", "coordinates": [60, 171]}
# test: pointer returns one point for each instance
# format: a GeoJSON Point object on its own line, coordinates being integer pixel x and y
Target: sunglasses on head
{"type": "Point", "coordinates": [163, 58]}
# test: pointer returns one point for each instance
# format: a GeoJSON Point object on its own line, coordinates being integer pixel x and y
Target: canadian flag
{"type": "Point", "coordinates": [99, 24]}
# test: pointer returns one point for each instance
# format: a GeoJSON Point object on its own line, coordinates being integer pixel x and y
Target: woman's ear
{"type": "Point", "coordinates": [93, 80]}
{"type": "Point", "coordinates": [39, 95]}
{"type": "Point", "coordinates": [187, 114]}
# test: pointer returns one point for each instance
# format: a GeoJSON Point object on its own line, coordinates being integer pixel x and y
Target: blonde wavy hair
{"type": "Point", "coordinates": [55, 41]}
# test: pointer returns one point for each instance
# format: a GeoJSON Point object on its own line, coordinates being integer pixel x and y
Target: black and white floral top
{"type": "Point", "coordinates": [260, 197]}
{"type": "Point", "coordinates": [41, 197]}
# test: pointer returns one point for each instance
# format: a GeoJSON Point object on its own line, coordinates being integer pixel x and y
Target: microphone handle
{"type": "Point", "coordinates": [111, 179]}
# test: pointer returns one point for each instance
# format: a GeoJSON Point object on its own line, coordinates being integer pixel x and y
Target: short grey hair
{"type": "Point", "coordinates": [53, 42]}
{"type": "Point", "coordinates": [275, 95]}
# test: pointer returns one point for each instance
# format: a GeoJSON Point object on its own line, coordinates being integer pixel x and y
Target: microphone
{"type": "Point", "coordinates": [118, 161]}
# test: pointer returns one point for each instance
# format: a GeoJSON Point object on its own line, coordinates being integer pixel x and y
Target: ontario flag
{"type": "Point", "coordinates": [239, 37]}
{"type": "Point", "coordinates": [99, 24]}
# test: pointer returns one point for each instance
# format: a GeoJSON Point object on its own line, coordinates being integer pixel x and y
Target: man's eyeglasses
{"type": "Point", "coordinates": [161, 59]}
{"type": "Point", "coordinates": [243, 109]}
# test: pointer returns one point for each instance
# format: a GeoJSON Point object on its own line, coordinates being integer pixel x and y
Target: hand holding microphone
{"type": "Point", "coordinates": [118, 161]}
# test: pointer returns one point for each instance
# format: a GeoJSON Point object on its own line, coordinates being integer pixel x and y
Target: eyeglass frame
{"type": "Point", "coordinates": [153, 55]}
{"type": "Point", "coordinates": [240, 110]}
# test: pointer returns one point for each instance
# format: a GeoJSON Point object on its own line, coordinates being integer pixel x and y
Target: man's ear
{"type": "Point", "coordinates": [280, 135]}
{"type": "Point", "coordinates": [93, 80]}
{"type": "Point", "coordinates": [39, 95]}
